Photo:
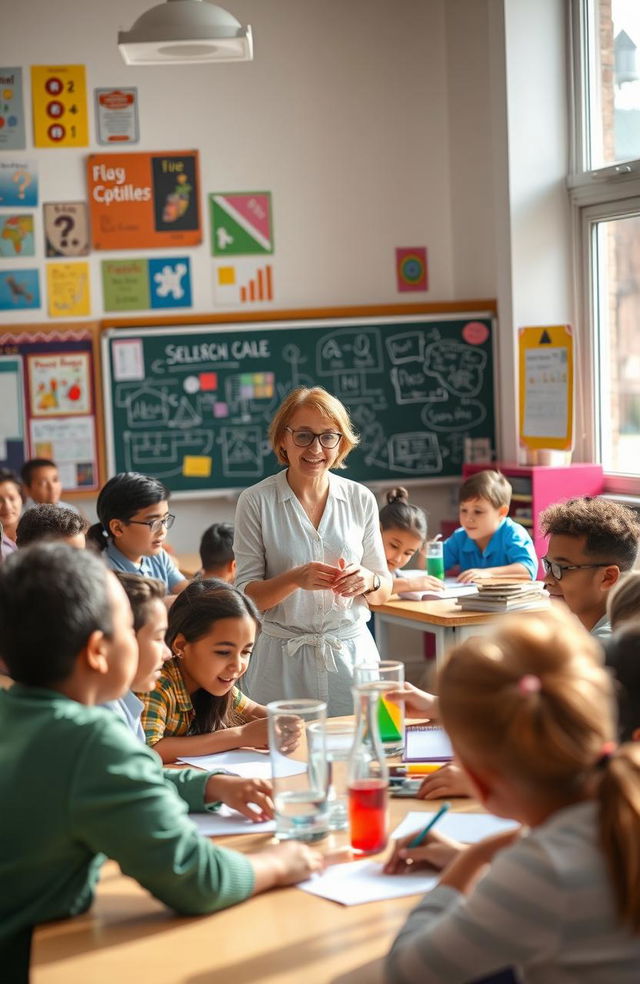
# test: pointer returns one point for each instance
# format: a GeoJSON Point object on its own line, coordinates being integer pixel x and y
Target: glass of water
{"type": "Point", "coordinates": [339, 741]}
{"type": "Point", "coordinates": [299, 768]}
{"type": "Point", "coordinates": [390, 713]}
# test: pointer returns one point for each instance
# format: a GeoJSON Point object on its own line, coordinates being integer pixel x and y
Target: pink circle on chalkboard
{"type": "Point", "coordinates": [475, 333]}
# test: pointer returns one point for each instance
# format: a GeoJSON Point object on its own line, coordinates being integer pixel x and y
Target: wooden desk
{"type": "Point", "coordinates": [444, 619]}
{"type": "Point", "coordinates": [188, 563]}
{"type": "Point", "coordinates": [281, 937]}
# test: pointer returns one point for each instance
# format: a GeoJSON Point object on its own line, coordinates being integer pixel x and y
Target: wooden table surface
{"type": "Point", "coordinates": [280, 937]}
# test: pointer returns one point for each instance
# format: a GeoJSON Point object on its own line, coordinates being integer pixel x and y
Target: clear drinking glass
{"type": "Point", "coordinates": [390, 714]}
{"type": "Point", "coordinates": [339, 741]}
{"type": "Point", "coordinates": [435, 559]}
{"type": "Point", "coordinates": [299, 769]}
{"type": "Point", "coordinates": [368, 779]}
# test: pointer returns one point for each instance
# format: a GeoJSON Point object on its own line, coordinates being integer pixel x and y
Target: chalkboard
{"type": "Point", "coordinates": [192, 405]}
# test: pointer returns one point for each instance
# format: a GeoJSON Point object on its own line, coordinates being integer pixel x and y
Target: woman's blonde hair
{"type": "Point", "coordinates": [623, 603]}
{"type": "Point", "coordinates": [318, 399]}
{"type": "Point", "coordinates": [534, 700]}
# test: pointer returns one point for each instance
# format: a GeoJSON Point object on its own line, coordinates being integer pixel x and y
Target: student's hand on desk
{"type": "Point", "coordinates": [416, 701]}
{"type": "Point", "coordinates": [438, 851]}
{"type": "Point", "coordinates": [238, 793]}
{"type": "Point", "coordinates": [284, 864]}
{"type": "Point", "coordinates": [254, 734]}
{"type": "Point", "coordinates": [473, 574]}
{"type": "Point", "coordinates": [288, 732]}
{"type": "Point", "coordinates": [315, 576]}
{"type": "Point", "coordinates": [450, 780]}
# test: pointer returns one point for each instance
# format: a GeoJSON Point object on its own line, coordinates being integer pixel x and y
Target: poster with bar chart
{"type": "Point", "coordinates": [243, 281]}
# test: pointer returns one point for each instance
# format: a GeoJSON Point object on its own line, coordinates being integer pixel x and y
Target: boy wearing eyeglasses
{"type": "Point", "coordinates": [592, 541]}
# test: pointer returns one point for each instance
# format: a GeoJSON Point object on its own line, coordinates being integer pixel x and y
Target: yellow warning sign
{"type": "Point", "coordinates": [545, 356]}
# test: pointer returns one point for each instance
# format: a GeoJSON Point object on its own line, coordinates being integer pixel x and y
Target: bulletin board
{"type": "Point", "coordinates": [545, 355]}
{"type": "Point", "coordinates": [192, 404]}
{"type": "Point", "coordinates": [49, 379]}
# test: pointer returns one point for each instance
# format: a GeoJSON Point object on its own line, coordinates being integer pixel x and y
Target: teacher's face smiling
{"type": "Point", "coordinates": [314, 460]}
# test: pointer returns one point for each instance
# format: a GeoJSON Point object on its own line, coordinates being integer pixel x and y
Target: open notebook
{"type": "Point", "coordinates": [426, 743]}
{"type": "Point", "coordinates": [450, 588]}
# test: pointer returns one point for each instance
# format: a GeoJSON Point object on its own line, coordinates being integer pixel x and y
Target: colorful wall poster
{"type": "Point", "coordinates": [18, 184]}
{"type": "Point", "coordinates": [411, 268]}
{"type": "Point", "coordinates": [241, 223]}
{"type": "Point", "coordinates": [66, 228]}
{"type": "Point", "coordinates": [545, 356]}
{"type": "Point", "coordinates": [117, 116]}
{"type": "Point", "coordinates": [12, 130]}
{"type": "Point", "coordinates": [144, 201]}
{"type": "Point", "coordinates": [16, 235]}
{"type": "Point", "coordinates": [19, 290]}
{"type": "Point", "coordinates": [71, 443]}
{"type": "Point", "coordinates": [59, 97]}
{"type": "Point", "coordinates": [68, 290]}
{"type": "Point", "coordinates": [243, 281]}
{"type": "Point", "coordinates": [59, 384]}
{"type": "Point", "coordinates": [140, 284]}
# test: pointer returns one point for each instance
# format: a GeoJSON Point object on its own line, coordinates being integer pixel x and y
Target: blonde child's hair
{"type": "Point", "coordinates": [490, 485]}
{"type": "Point", "coordinates": [329, 406]}
{"type": "Point", "coordinates": [623, 603]}
{"type": "Point", "coordinates": [535, 701]}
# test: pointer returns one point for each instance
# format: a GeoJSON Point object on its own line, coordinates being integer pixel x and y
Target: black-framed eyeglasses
{"type": "Point", "coordinates": [557, 570]}
{"type": "Point", "coordinates": [155, 525]}
{"type": "Point", "coordinates": [303, 438]}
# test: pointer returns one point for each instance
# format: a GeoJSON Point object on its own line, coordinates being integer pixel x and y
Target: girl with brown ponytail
{"type": "Point", "coordinates": [530, 713]}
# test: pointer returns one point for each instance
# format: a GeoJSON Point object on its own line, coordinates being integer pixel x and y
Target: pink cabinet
{"type": "Point", "coordinates": [537, 486]}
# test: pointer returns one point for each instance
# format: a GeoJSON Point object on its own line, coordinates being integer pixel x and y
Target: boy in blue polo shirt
{"type": "Point", "coordinates": [488, 541]}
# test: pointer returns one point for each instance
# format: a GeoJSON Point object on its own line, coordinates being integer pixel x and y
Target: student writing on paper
{"type": "Point", "coordinates": [75, 785]}
{"type": "Point", "coordinates": [530, 713]}
{"type": "Point", "coordinates": [404, 532]}
{"type": "Point", "coordinates": [202, 791]}
{"type": "Point", "coordinates": [591, 542]}
{"type": "Point", "coordinates": [488, 542]}
{"type": "Point", "coordinates": [196, 707]}
{"type": "Point", "coordinates": [133, 510]}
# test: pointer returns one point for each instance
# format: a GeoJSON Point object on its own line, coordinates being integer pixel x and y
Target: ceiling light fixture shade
{"type": "Point", "coordinates": [185, 32]}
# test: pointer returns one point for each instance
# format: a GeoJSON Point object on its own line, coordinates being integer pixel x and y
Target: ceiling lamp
{"type": "Point", "coordinates": [184, 32]}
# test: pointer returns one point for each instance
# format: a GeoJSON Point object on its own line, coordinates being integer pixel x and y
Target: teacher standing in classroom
{"type": "Point", "coordinates": [310, 555]}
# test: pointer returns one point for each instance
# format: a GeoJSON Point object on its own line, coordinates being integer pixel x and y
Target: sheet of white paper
{"type": "Point", "coordinates": [363, 881]}
{"type": "Point", "coordinates": [451, 588]}
{"type": "Point", "coordinates": [226, 821]}
{"type": "Point", "coordinates": [248, 763]}
{"type": "Point", "coordinates": [465, 827]}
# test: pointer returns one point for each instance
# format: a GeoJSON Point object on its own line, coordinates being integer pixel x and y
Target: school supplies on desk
{"type": "Point", "coordinates": [420, 837]}
{"type": "Point", "coordinates": [466, 827]}
{"type": "Point", "coordinates": [226, 821]}
{"type": "Point", "coordinates": [427, 743]}
{"type": "Point", "coordinates": [505, 596]}
{"type": "Point", "coordinates": [249, 763]}
{"type": "Point", "coordinates": [356, 882]}
{"type": "Point", "coordinates": [450, 588]}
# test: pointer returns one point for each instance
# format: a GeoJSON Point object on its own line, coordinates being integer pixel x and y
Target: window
{"type": "Point", "coordinates": [605, 190]}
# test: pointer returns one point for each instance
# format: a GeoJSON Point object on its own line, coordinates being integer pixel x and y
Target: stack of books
{"type": "Point", "coordinates": [505, 596]}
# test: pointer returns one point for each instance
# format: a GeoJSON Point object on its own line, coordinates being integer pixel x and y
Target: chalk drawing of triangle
{"type": "Point", "coordinates": [185, 415]}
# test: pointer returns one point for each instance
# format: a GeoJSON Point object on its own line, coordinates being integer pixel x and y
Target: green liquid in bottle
{"type": "Point", "coordinates": [435, 567]}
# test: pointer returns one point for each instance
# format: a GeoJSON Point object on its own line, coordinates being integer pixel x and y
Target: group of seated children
{"type": "Point", "coordinates": [40, 484]}
{"type": "Point", "coordinates": [529, 710]}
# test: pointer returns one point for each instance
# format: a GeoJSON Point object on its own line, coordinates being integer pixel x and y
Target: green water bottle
{"type": "Point", "coordinates": [435, 558]}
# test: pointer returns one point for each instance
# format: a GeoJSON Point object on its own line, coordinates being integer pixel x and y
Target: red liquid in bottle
{"type": "Point", "coordinates": [368, 815]}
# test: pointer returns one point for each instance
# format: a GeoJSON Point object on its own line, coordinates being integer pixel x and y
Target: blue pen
{"type": "Point", "coordinates": [421, 835]}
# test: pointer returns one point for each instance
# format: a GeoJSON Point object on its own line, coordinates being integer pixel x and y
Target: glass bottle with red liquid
{"type": "Point", "coordinates": [368, 781]}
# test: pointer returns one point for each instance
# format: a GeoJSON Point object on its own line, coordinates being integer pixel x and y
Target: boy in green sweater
{"type": "Point", "coordinates": [74, 784]}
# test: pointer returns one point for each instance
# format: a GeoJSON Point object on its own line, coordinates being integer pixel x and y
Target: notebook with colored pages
{"type": "Point", "coordinates": [426, 743]}
{"type": "Point", "coordinates": [451, 588]}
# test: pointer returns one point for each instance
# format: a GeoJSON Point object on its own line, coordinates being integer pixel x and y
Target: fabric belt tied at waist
{"type": "Point", "coordinates": [325, 645]}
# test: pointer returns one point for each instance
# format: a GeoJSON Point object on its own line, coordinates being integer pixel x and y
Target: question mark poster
{"type": "Point", "coordinates": [66, 228]}
{"type": "Point", "coordinates": [18, 184]}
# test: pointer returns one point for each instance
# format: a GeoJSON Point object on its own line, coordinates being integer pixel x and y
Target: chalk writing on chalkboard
{"type": "Point", "coordinates": [415, 389]}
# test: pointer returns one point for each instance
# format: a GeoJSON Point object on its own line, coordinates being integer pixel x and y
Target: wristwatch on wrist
{"type": "Point", "coordinates": [375, 585]}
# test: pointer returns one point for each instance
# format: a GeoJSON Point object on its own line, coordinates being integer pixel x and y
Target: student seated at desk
{"type": "Point", "coordinates": [488, 542]}
{"type": "Point", "coordinates": [591, 542]}
{"type": "Point", "coordinates": [41, 483]}
{"type": "Point", "coordinates": [133, 510]}
{"type": "Point", "coordinates": [200, 790]}
{"type": "Point", "coordinates": [404, 532]}
{"type": "Point", "coordinates": [75, 785]}
{"type": "Point", "coordinates": [196, 707]}
{"type": "Point", "coordinates": [530, 713]}
{"type": "Point", "coordinates": [52, 522]}
{"type": "Point", "coordinates": [216, 552]}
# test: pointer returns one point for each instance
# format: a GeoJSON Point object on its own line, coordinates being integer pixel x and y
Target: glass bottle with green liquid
{"type": "Point", "coordinates": [435, 558]}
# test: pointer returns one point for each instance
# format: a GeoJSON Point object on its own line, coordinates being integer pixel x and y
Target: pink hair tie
{"type": "Point", "coordinates": [529, 684]}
